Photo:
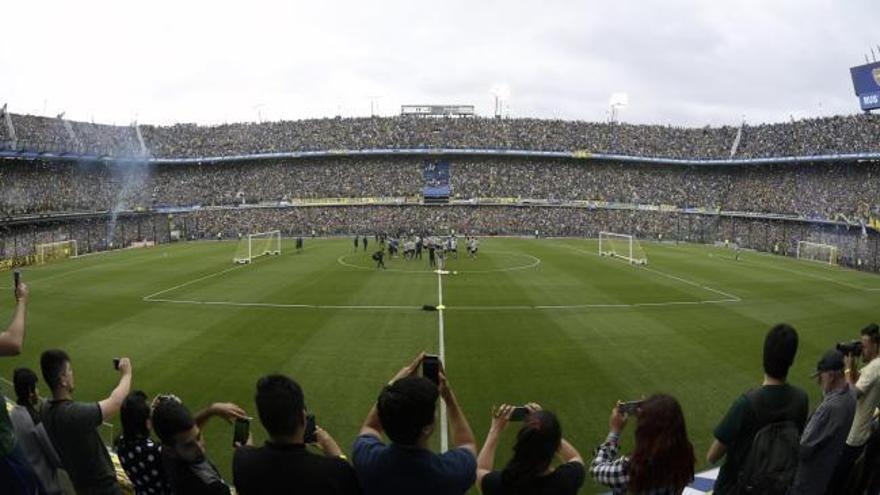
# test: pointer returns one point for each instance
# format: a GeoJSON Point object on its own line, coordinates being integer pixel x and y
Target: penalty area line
{"type": "Point", "coordinates": [728, 296]}
{"type": "Point", "coordinates": [277, 305]}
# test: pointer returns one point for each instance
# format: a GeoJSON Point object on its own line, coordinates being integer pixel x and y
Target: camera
{"type": "Point", "coordinates": [851, 348]}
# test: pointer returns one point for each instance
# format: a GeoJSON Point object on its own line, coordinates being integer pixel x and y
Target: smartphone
{"type": "Point", "coordinates": [630, 408]}
{"type": "Point", "coordinates": [431, 368]}
{"type": "Point", "coordinates": [116, 364]}
{"type": "Point", "coordinates": [16, 276]}
{"type": "Point", "coordinates": [519, 413]}
{"type": "Point", "coordinates": [311, 434]}
{"type": "Point", "coordinates": [240, 432]}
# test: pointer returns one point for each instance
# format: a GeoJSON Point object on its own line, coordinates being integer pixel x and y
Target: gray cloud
{"type": "Point", "coordinates": [683, 62]}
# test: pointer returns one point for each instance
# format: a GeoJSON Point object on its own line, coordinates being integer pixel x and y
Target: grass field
{"type": "Point", "coordinates": [530, 320]}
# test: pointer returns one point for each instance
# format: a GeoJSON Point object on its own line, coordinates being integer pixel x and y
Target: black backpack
{"type": "Point", "coordinates": [772, 461]}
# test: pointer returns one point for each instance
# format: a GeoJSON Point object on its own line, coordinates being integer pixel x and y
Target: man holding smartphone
{"type": "Point", "coordinates": [406, 413]}
{"type": "Point", "coordinates": [15, 470]}
{"type": "Point", "coordinates": [284, 463]}
{"type": "Point", "coordinates": [73, 426]}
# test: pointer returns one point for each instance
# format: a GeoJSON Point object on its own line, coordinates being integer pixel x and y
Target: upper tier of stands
{"type": "Point", "coordinates": [809, 137]}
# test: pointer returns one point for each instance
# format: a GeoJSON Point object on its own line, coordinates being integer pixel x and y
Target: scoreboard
{"type": "Point", "coordinates": [866, 82]}
{"type": "Point", "coordinates": [438, 110]}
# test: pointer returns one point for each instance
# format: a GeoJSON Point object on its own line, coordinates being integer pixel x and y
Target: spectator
{"type": "Point", "coordinates": [183, 450]}
{"type": "Point", "coordinates": [15, 471]}
{"type": "Point", "coordinates": [529, 472]}
{"type": "Point", "coordinates": [774, 401]}
{"type": "Point", "coordinates": [405, 412]}
{"type": "Point", "coordinates": [663, 460]}
{"type": "Point", "coordinates": [73, 426]}
{"type": "Point", "coordinates": [284, 460]}
{"type": "Point", "coordinates": [26, 417]}
{"type": "Point", "coordinates": [824, 437]}
{"type": "Point", "coordinates": [141, 458]}
{"type": "Point", "coordinates": [867, 386]}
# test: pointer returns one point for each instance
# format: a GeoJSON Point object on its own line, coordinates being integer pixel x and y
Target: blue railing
{"type": "Point", "coordinates": [584, 155]}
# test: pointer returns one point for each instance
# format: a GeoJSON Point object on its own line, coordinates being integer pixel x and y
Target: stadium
{"type": "Point", "coordinates": [579, 264]}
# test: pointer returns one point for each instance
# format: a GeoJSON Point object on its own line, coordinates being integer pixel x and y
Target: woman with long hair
{"type": "Point", "coordinates": [663, 459]}
{"type": "Point", "coordinates": [530, 471]}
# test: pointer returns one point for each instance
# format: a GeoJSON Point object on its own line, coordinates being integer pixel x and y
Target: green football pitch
{"type": "Point", "coordinates": [538, 320]}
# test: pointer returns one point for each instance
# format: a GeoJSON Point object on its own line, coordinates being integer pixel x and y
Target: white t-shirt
{"type": "Point", "coordinates": [869, 383]}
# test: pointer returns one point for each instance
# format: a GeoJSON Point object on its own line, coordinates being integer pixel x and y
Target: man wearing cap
{"type": "Point", "coordinates": [824, 437]}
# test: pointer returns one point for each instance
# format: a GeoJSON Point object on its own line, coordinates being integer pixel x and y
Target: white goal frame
{"type": "Point", "coordinates": [250, 244]}
{"type": "Point", "coordinates": [629, 255]}
{"type": "Point", "coordinates": [832, 250]}
{"type": "Point", "coordinates": [41, 249]}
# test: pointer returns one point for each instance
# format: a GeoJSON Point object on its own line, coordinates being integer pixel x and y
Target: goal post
{"type": "Point", "coordinates": [255, 245]}
{"type": "Point", "coordinates": [622, 246]}
{"type": "Point", "coordinates": [51, 251]}
{"type": "Point", "coordinates": [816, 252]}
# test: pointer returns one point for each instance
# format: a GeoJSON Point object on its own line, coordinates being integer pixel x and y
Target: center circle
{"type": "Point", "coordinates": [501, 261]}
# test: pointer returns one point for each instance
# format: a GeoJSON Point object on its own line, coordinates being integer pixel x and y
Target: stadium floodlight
{"type": "Point", "coordinates": [623, 246]}
{"type": "Point", "coordinates": [616, 103]}
{"type": "Point", "coordinates": [256, 245]}
{"type": "Point", "coordinates": [51, 251]}
{"type": "Point", "coordinates": [501, 93]}
{"type": "Point", "coordinates": [816, 252]}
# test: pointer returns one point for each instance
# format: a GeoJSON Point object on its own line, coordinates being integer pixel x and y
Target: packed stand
{"type": "Point", "coordinates": [842, 191]}
{"type": "Point", "coordinates": [827, 135]}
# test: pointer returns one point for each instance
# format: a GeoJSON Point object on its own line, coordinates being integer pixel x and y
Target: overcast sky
{"type": "Point", "coordinates": [685, 62]}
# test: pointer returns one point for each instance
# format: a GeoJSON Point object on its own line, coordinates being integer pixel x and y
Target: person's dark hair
{"type": "Point", "coordinates": [134, 414]}
{"type": "Point", "coordinates": [170, 417]}
{"type": "Point", "coordinates": [872, 331]}
{"type": "Point", "coordinates": [52, 364]}
{"type": "Point", "coordinates": [406, 407]}
{"type": "Point", "coordinates": [780, 347]}
{"type": "Point", "coordinates": [536, 444]}
{"type": "Point", "coordinates": [280, 404]}
{"type": "Point", "coordinates": [24, 380]}
{"type": "Point", "coordinates": [663, 456]}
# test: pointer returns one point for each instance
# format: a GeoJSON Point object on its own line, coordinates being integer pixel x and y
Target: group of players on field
{"type": "Point", "coordinates": [412, 247]}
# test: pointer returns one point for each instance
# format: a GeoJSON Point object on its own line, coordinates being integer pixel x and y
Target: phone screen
{"type": "Point", "coordinates": [519, 413]}
{"type": "Point", "coordinates": [311, 430]}
{"type": "Point", "coordinates": [16, 276]}
{"type": "Point", "coordinates": [630, 408]}
{"type": "Point", "coordinates": [240, 433]}
{"type": "Point", "coordinates": [431, 368]}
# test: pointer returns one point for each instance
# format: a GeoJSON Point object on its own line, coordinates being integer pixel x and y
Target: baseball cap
{"type": "Point", "coordinates": [831, 361]}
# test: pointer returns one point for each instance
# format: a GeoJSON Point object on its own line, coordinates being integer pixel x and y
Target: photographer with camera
{"type": "Point", "coordinates": [406, 411]}
{"type": "Point", "coordinates": [867, 386]}
{"type": "Point", "coordinates": [284, 463]}
{"type": "Point", "coordinates": [663, 459]}
{"type": "Point", "coordinates": [73, 426]}
{"type": "Point", "coordinates": [537, 443]}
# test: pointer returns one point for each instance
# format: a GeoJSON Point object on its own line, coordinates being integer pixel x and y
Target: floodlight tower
{"type": "Point", "coordinates": [616, 103]}
{"type": "Point", "coordinates": [501, 93]}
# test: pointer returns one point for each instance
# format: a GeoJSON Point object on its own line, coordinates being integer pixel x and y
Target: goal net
{"type": "Point", "coordinates": [256, 245]}
{"type": "Point", "coordinates": [52, 251]}
{"type": "Point", "coordinates": [820, 253]}
{"type": "Point", "coordinates": [622, 246]}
